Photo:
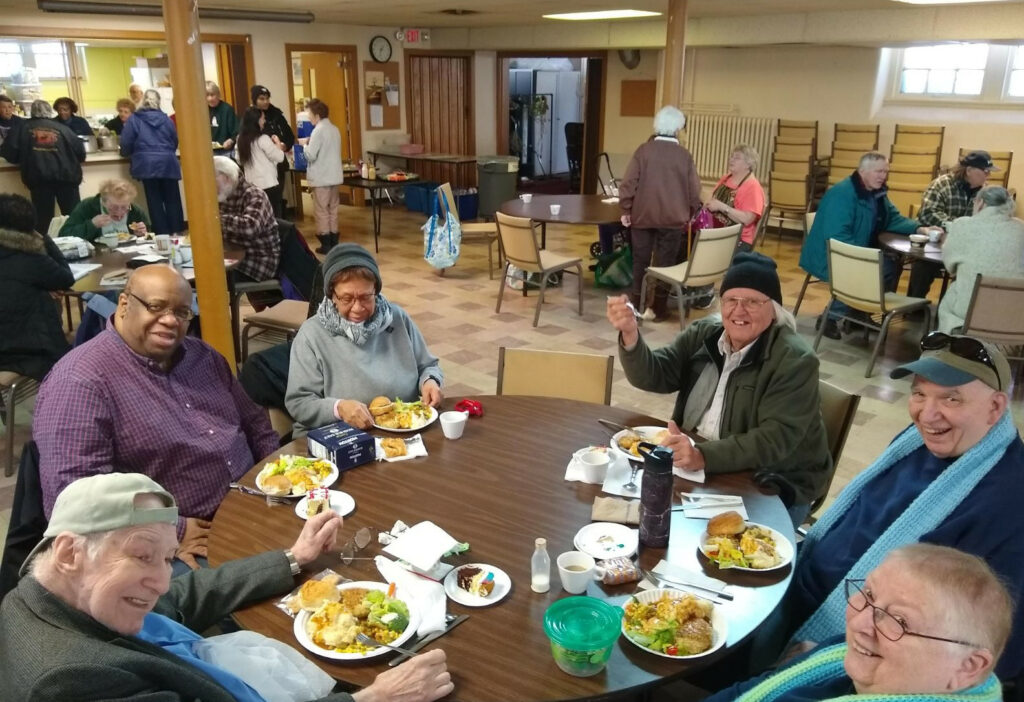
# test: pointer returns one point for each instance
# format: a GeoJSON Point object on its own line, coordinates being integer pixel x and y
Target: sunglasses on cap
{"type": "Point", "coordinates": [963, 346]}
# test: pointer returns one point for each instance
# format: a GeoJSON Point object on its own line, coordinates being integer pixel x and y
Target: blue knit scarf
{"type": "Point", "coordinates": [925, 513]}
{"type": "Point", "coordinates": [826, 665]}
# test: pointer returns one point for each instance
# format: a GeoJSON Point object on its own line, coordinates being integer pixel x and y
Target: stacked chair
{"type": "Point", "coordinates": [849, 143]}
{"type": "Point", "coordinates": [913, 164]}
{"type": "Point", "coordinates": [795, 178]}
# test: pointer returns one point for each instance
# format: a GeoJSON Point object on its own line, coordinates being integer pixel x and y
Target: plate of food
{"type": "Point", "coordinates": [294, 476]}
{"type": "Point", "coordinates": [396, 415]}
{"type": "Point", "coordinates": [477, 585]}
{"type": "Point", "coordinates": [673, 624]}
{"type": "Point", "coordinates": [320, 500]}
{"type": "Point", "coordinates": [330, 618]}
{"type": "Point", "coordinates": [734, 543]}
{"type": "Point", "coordinates": [603, 540]}
{"type": "Point", "coordinates": [627, 443]}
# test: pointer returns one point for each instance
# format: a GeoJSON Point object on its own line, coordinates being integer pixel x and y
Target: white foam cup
{"type": "Point", "coordinates": [555, 209]}
{"type": "Point", "coordinates": [453, 424]}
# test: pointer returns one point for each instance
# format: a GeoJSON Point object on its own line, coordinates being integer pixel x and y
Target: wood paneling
{"type": "Point", "coordinates": [439, 106]}
{"type": "Point", "coordinates": [638, 98]}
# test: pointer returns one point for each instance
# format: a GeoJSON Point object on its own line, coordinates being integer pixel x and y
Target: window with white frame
{"type": "Point", "coordinates": [961, 73]}
{"type": "Point", "coordinates": [10, 59]}
{"type": "Point", "coordinates": [49, 60]}
{"type": "Point", "coordinates": [1015, 81]}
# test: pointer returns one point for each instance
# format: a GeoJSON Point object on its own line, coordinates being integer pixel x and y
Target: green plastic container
{"type": "Point", "coordinates": [582, 631]}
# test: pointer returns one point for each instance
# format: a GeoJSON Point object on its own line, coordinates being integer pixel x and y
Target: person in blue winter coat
{"type": "Point", "coordinates": [150, 139]}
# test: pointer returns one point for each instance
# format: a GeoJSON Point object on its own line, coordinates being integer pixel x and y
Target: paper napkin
{"type": "Point", "coordinates": [708, 509]}
{"type": "Point", "coordinates": [427, 596]}
{"type": "Point", "coordinates": [613, 509]}
{"type": "Point", "coordinates": [422, 545]}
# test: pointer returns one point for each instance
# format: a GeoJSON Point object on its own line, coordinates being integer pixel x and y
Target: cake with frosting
{"type": "Point", "coordinates": [475, 581]}
{"type": "Point", "coordinates": [317, 500]}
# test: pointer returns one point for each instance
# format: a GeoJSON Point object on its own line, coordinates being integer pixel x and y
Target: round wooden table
{"type": "Point", "coordinates": [499, 487]}
{"type": "Point", "coordinates": [576, 209]}
{"type": "Point", "coordinates": [901, 244]}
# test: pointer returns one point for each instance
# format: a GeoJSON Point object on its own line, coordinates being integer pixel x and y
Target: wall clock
{"type": "Point", "coordinates": [380, 49]}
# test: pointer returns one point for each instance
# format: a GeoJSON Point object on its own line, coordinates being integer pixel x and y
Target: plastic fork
{"type": "Point", "coordinates": [271, 499]}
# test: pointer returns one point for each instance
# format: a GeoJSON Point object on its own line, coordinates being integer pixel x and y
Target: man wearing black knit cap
{"type": "Point", "coordinates": [746, 382]}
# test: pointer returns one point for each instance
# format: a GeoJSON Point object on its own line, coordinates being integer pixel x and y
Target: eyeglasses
{"type": "Point", "coordinates": [162, 309]}
{"type": "Point", "coordinates": [962, 346]}
{"type": "Point", "coordinates": [364, 300]}
{"type": "Point", "coordinates": [356, 544]}
{"type": "Point", "coordinates": [749, 304]}
{"type": "Point", "coordinates": [888, 625]}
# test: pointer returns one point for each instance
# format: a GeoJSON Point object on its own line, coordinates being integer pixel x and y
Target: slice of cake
{"type": "Point", "coordinates": [317, 500]}
{"type": "Point", "coordinates": [475, 581]}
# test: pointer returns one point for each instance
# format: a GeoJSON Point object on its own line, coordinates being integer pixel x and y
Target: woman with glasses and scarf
{"type": "Point", "coordinates": [928, 624]}
{"type": "Point", "coordinates": [356, 347]}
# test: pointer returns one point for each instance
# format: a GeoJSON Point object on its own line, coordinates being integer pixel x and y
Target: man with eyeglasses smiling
{"type": "Point", "coordinates": [746, 382]}
{"type": "Point", "coordinates": [955, 478]}
{"type": "Point", "coordinates": [927, 624]}
{"type": "Point", "coordinates": [143, 397]}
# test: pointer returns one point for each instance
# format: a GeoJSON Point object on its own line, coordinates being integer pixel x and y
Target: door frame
{"type": "Point", "coordinates": [588, 170]}
{"type": "Point", "coordinates": [351, 54]}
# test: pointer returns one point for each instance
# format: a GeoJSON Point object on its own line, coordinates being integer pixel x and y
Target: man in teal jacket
{"type": "Point", "coordinates": [855, 211]}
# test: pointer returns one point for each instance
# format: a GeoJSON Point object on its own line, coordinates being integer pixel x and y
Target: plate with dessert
{"type": "Point", "coordinates": [319, 500]}
{"type": "Point", "coordinates": [477, 585]}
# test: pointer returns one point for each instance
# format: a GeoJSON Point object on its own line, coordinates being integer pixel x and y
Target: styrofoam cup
{"type": "Point", "coordinates": [526, 197]}
{"type": "Point", "coordinates": [453, 424]}
{"type": "Point", "coordinates": [555, 209]}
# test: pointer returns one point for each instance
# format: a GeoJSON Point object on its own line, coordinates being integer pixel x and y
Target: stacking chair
{"type": "Point", "coordinates": [841, 166]}
{"type": "Point", "coordinates": [929, 137]}
{"type": "Point", "coordinates": [855, 278]}
{"type": "Point", "coordinates": [572, 376]}
{"type": "Point", "coordinates": [808, 279]}
{"type": "Point", "coordinates": [797, 129]}
{"type": "Point", "coordinates": [710, 259]}
{"type": "Point", "coordinates": [996, 313]}
{"type": "Point", "coordinates": [795, 147]}
{"type": "Point", "coordinates": [14, 388]}
{"type": "Point", "coordinates": [863, 136]}
{"type": "Point", "coordinates": [1001, 159]}
{"type": "Point", "coordinates": [518, 238]}
{"type": "Point", "coordinates": [472, 232]}
{"type": "Point", "coordinates": [910, 177]}
{"type": "Point", "coordinates": [284, 318]}
{"type": "Point", "coordinates": [905, 197]}
{"type": "Point", "coordinates": [914, 157]}
{"type": "Point", "coordinates": [792, 165]}
{"type": "Point", "coordinates": [788, 195]}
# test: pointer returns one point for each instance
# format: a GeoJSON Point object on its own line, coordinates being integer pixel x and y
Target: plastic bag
{"type": "Point", "coordinates": [704, 219]}
{"type": "Point", "coordinates": [274, 669]}
{"type": "Point", "coordinates": [615, 270]}
{"type": "Point", "coordinates": [441, 238]}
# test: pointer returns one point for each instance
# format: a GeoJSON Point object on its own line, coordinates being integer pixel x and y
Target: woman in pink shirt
{"type": "Point", "coordinates": [738, 198]}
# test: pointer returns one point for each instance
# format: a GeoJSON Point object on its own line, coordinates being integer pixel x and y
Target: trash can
{"type": "Point", "coordinates": [497, 182]}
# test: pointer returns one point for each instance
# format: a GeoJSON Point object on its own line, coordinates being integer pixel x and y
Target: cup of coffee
{"type": "Point", "coordinates": [576, 569]}
{"type": "Point", "coordinates": [163, 243]}
{"type": "Point", "coordinates": [526, 197]}
{"type": "Point", "coordinates": [594, 461]}
{"type": "Point", "coordinates": [555, 209]}
{"type": "Point", "coordinates": [453, 424]}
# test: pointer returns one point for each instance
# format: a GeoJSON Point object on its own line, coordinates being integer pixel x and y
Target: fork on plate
{"type": "Point", "coordinates": [246, 490]}
{"type": "Point", "coordinates": [370, 641]}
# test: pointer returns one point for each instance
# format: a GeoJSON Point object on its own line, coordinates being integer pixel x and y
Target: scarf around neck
{"type": "Point", "coordinates": [826, 665]}
{"type": "Point", "coordinates": [925, 513]}
{"type": "Point", "coordinates": [359, 333]}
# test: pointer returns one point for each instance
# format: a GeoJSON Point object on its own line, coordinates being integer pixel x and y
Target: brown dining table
{"type": "Point", "coordinates": [500, 487]}
{"type": "Point", "coordinates": [113, 260]}
{"type": "Point", "coordinates": [901, 245]}
{"type": "Point", "coordinates": [575, 209]}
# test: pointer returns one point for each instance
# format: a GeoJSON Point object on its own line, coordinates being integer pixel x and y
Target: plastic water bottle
{"type": "Point", "coordinates": [540, 567]}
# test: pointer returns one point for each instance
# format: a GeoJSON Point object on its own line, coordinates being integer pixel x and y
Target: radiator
{"type": "Point", "coordinates": [709, 137]}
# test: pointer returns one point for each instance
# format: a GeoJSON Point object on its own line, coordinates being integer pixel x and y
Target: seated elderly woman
{"type": "Point", "coordinates": [990, 243]}
{"type": "Point", "coordinates": [99, 617]}
{"type": "Point", "coordinates": [358, 346]}
{"type": "Point", "coordinates": [111, 211]}
{"type": "Point", "coordinates": [738, 198]}
{"type": "Point", "coordinates": [929, 623]}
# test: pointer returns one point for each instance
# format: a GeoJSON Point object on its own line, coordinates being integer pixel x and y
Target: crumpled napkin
{"type": "Point", "coordinates": [422, 545]}
{"type": "Point", "coordinates": [428, 596]}
{"type": "Point", "coordinates": [613, 509]}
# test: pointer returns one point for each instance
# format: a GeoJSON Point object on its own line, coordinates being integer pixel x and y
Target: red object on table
{"type": "Point", "coordinates": [474, 408]}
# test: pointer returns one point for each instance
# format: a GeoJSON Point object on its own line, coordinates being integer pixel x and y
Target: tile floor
{"type": "Point", "coordinates": [456, 315]}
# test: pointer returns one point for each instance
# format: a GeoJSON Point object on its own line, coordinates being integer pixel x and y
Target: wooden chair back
{"type": "Point", "coordinates": [996, 310]}
{"type": "Point", "coordinates": [798, 129]}
{"type": "Point", "coordinates": [572, 376]}
{"type": "Point", "coordinates": [712, 255]}
{"type": "Point", "coordinates": [862, 135]}
{"type": "Point", "coordinates": [788, 191]}
{"type": "Point", "coordinates": [925, 136]}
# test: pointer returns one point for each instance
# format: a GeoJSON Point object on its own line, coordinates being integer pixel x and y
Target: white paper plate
{"type": "Point", "coordinates": [299, 627]}
{"type": "Point", "coordinates": [331, 478]}
{"type": "Point", "coordinates": [646, 433]}
{"type": "Point", "coordinates": [430, 420]}
{"type": "Point", "coordinates": [782, 545]}
{"type": "Point", "coordinates": [602, 540]}
{"type": "Point", "coordinates": [341, 502]}
{"type": "Point", "coordinates": [719, 626]}
{"type": "Point", "coordinates": [502, 586]}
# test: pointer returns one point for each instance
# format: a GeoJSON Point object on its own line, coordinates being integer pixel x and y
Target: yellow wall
{"type": "Point", "coordinates": [109, 78]}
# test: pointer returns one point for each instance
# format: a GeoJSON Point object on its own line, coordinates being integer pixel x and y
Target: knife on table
{"type": "Point", "coordinates": [663, 581]}
{"type": "Point", "coordinates": [427, 639]}
{"type": "Point", "coordinates": [615, 426]}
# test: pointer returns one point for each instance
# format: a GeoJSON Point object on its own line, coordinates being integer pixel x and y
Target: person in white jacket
{"type": "Point", "coordinates": [324, 172]}
{"type": "Point", "coordinates": [259, 154]}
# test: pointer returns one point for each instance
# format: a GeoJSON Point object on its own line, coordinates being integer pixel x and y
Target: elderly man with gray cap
{"type": "Point", "coordinates": [953, 478]}
{"type": "Point", "coordinates": [746, 381]}
{"type": "Point", "coordinates": [357, 346]}
{"type": "Point", "coordinates": [96, 614]}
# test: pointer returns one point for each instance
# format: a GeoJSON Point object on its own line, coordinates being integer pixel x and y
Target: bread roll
{"type": "Point", "coordinates": [726, 524]}
{"type": "Point", "coordinates": [277, 485]}
{"type": "Point", "coordinates": [380, 405]}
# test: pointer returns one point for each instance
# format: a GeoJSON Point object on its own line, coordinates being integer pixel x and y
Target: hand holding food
{"type": "Point", "coordinates": [620, 314]}
{"type": "Point", "coordinates": [684, 454]}
{"type": "Point", "coordinates": [423, 678]}
{"type": "Point", "coordinates": [354, 413]}
{"type": "Point", "coordinates": [139, 228]}
{"type": "Point", "coordinates": [430, 393]}
{"type": "Point", "coordinates": [193, 543]}
{"type": "Point", "coordinates": [318, 536]}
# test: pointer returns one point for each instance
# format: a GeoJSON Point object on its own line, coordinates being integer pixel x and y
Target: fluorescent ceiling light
{"type": "Point", "coordinates": [944, 2]}
{"type": "Point", "coordinates": [602, 15]}
{"type": "Point", "coordinates": [146, 10]}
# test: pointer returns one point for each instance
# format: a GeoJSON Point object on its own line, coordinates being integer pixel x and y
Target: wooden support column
{"type": "Point", "coordinates": [181, 20]}
{"type": "Point", "coordinates": [675, 48]}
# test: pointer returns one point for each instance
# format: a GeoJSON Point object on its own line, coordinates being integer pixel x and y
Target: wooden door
{"type": "Point", "coordinates": [439, 113]}
{"type": "Point", "coordinates": [324, 78]}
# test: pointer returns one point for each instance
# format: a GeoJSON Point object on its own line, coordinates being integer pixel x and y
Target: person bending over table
{"type": "Point", "coordinates": [738, 198]}
{"type": "Point", "coordinates": [111, 211]}
{"type": "Point", "coordinates": [855, 211]}
{"type": "Point", "coordinates": [746, 381]}
{"type": "Point", "coordinates": [927, 624]}
{"type": "Point", "coordinates": [145, 397]}
{"type": "Point", "coordinates": [98, 615]}
{"type": "Point", "coordinates": [953, 478]}
{"type": "Point", "coordinates": [990, 243]}
{"type": "Point", "coordinates": [247, 220]}
{"type": "Point", "coordinates": [358, 345]}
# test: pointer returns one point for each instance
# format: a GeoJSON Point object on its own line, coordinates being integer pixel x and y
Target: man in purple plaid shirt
{"type": "Point", "coordinates": [142, 397]}
{"type": "Point", "coordinates": [247, 220]}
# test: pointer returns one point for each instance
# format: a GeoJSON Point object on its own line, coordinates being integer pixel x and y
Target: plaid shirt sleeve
{"type": "Point", "coordinates": [247, 220]}
{"type": "Point", "coordinates": [943, 201]}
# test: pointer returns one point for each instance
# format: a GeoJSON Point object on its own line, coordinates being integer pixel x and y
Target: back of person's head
{"type": "Point", "coordinates": [224, 166]}
{"type": "Point", "coordinates": [248, 132]}
{"type": "Point", "coordinates": [668, 121]}
{"type": "Point", "coordinates": [998, 198]}
{"type": "Point", "coordinates": [17, 213]}
{"type": "Point", "coordinates": [151, 100]}
{"type": "Point", "coordinates": [41, 109]}
{"type": "Point", "coordinates": [319, 108]}
{"type": "Point", "coordinates": [871, 158]}
{"type": "Point", "coordinates": [977, 606]}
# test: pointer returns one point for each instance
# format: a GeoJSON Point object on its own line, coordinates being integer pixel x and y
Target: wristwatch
{"type": "Point", "coordinates": [292, 563]}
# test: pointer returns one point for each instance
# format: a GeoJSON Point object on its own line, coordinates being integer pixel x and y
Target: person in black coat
{"type": "Point", "coordinates": [31, 267]}
{"type": "Point", "coordinates": [67, 114]}
{"type": "Point", "coordinates": [273, 123]}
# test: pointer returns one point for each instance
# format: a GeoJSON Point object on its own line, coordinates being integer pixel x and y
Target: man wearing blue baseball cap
{"type": "Point", "coordinates": [953, 478]}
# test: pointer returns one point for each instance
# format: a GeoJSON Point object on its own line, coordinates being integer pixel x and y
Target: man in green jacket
{"type": "Point", "coordinates": [746, 382]}
{"type": "Point", "coordinates": [223, 120]}
{"type": "Point", "coordinates": [855, 211]}
{"type": "Point", "coordinates": [111, 211]}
